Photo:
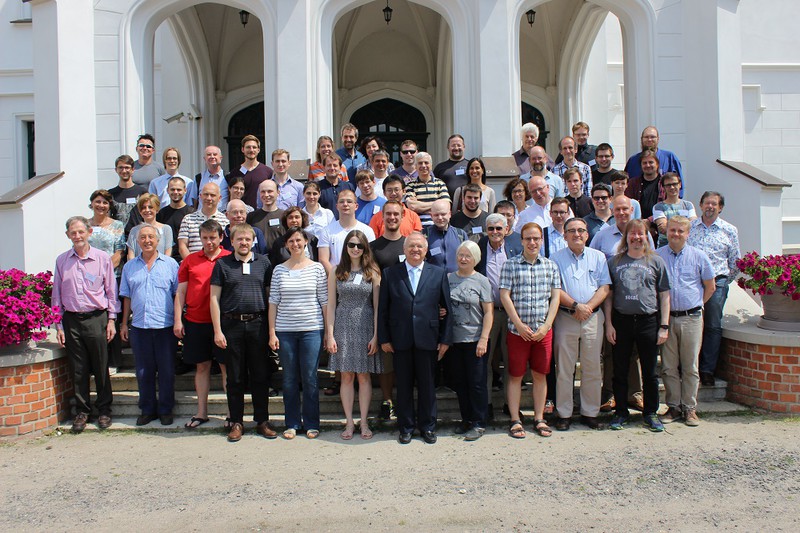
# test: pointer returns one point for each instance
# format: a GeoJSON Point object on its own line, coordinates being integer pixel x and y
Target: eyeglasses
{"type": "Point", "coordinates": [407, 152]}
{"type": "Point", "coordinates": [559, 213]}
{"type": "Point", "coordinates": [600, 198]}
{"type": "Point", "coordinates": [672, 185]}
{"type": "Point", "coordinates": [352, 245]}
{"type": "Point", "coordinates": [145, 146]}
{"type": "Point", "coordinates": [495, 228]}
{"type": "Point", "coordinates": [579, 231]}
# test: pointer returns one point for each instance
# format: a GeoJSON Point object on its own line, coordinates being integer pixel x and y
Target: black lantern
{"type": "Point", "coordinates": [387, 13]}
{"type": "Point", "coordinates": [244, 17]}
{"type": "Point", "coordinates": [531, 16]}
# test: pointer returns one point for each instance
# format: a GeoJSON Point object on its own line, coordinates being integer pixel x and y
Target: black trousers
{"type": "Point", "coordinates": [85, 340]}
{"type": "Point", "coordinates": [468, 372]}
{"type": "Point", "coordinates": [641, 331]}
{"type": "Point", "coordinates": [408, 366]}
{"type": "Point", "coordinates": [247, 360]}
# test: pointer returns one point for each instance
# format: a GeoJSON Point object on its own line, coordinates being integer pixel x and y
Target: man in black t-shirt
{"type": "Point", "coordinates": [471, 218]}
{"type": "Point", "coordinates": [173, 214]}
{"type": "Point", "coordinates": [388, 251]}
{"type": "Point", "coordinates": [453, 172]}
{"type": "Point", "coordinates": [126, 192]}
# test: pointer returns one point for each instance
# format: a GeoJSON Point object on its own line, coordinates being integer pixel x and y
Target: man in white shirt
{"type": "Point", "coordinates": [332, 238]}
{"type": "Point", "coordinates": [214, 174]}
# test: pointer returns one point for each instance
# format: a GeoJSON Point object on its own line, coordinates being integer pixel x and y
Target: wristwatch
{"type": "Point", "coordinates": [664, 326]}
{"type": "Point", "coordinates": [574, 305]}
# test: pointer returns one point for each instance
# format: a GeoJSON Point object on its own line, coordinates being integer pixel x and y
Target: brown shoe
{"type": "Point", "coordinates": [235, 434]}
{"type": "Point", "coordinates": [609, 406]}
{"type": "Point", "coordinates": [79, 424]}
{"type": "Point", "coordinates": [104, 421]}
{"type": "Point", "coordinates": [636, 403]}
{"type": "Point", "coordinates": [265, 431]}
{"type": "Point", "coordinates": [673, 414]}
{"type": "Point", "coordinates": [691, 418]}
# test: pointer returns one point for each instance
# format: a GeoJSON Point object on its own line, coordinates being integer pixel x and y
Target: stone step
{"type": "Point", "coordinates": [334, 422]}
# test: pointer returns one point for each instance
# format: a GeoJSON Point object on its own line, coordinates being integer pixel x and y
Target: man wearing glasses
{"type": "Point", "coordinates": [146, 169]}
{"type": "Point", "coordinates": [408, 170]}
{"type": "Point", "coordinates": [602, 215]}
{"type": "Point", "coordinates": [578, 330]}
{"type": "Point", "coordinates": [603, 172]}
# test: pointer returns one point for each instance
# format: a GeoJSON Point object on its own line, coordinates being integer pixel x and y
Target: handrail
{"type": "Point", "coordinates": [29, 187]}
{"type": "Point", "coordinates": [756, 174]}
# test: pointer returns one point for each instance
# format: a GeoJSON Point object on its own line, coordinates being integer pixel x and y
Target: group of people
{"type": "Point", "coordinates": [416, 273]}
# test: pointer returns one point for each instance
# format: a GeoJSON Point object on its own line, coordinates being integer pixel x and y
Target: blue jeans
{"type": "Point", "coordinates": [154, 353]}
{"type": "Point", "coordinates": [712, 327]}
{"type": "Point", "coordinates": [299, 355]}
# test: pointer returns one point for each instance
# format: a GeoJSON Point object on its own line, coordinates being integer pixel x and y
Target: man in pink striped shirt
{"type": "Point", "coordinates": [85, 291]}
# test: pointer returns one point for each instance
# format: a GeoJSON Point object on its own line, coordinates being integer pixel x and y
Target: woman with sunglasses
{"type": "Point", "coordinates": [351, 333]}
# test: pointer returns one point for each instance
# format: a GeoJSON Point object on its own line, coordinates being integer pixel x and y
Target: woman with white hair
{"type": "Point", "coordinates": [471, 295]}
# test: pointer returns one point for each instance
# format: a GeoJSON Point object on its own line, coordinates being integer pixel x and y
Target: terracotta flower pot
{"type": "Point", "coordinates": [781, 313]}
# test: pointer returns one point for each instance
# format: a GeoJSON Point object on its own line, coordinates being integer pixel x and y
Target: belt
{"type": "Point", "coordinates": [721, 276]}
{"type": "Point", "coordinates": [572, 311]}
{"type": "Point", "coordinates": [688, 312]}
{"type": "Point", "coordinates": [243, 317]}
{"type": "Point", "coordinates": [84, 316]}
{"type": "Point", "coordinates": [643, 315]}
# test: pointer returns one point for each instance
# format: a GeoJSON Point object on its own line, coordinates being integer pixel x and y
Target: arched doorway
{"type": "Point", "coordinates": [531, 114]}
{"type": "Point", "coordinates": [248, 121]}
{"type": "Point", "coordinates": [394, 122]}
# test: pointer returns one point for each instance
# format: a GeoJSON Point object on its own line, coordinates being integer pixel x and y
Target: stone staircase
{"type": "Point", "coordinates": [125, 408]}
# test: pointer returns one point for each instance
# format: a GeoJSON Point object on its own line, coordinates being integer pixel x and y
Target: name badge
{"type": "Point", "coordinates": [274, 222]}
{"type": "Point", "coordinates": [294, 273]}
{"type": "Point", "coordinates": [461, 171]}
{"type": "Point", "coordinates": [683, 212]}
{"type": "Point", "coordinates": [476, 230]}
{"type": "Point", "coordinates": [376, 209]}
{"type": "Point", "coordinates": [436, 251]}
{"type": "Point", "coordinates": [130, 201]}
{"type": "Point", "coordinates": [401, 257]}
{"type": "Point", "coordinates": [357, 279]}
{"type": "Point", "coordinates": [245, 268]}
{"type": "Point", "coordinates": [592, 163]}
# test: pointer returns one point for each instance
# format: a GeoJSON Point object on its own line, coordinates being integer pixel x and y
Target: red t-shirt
{"type": "Point", "coordinates": [196, 270]}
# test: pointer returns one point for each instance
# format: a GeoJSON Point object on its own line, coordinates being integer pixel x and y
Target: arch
{"type": "Point", "coordinates": [373, 94]}
{"type": "Point", "coordinates": [403, 122]}
{"type": "Point", "coordinates": [137, 32]}
{"type": "Point", "coordinates": [637, 22]}
{"type": "Point", "coordinates": [455, 13]}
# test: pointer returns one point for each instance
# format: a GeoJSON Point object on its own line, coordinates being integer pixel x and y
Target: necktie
{"type": "Point", "coordinates": [412, 277]}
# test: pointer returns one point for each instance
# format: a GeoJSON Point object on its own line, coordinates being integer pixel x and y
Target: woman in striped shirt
{"type": "Point", "coordinates": [297, 314]}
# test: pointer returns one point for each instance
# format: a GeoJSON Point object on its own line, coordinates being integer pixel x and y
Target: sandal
{"type": "Point", "coordinates": [195, 422]}
{"type": "Point", "coordinates": [541, 427]}
{"type": "Point", "coordinates": [289, 434]}
{"type": "Point", "coordinates": [366, 433]}
{"type": "Point", "coordinates": [333, 390]}
{"type": "Point", "coordinates": [516, 430]}
{"type": "Point", "coordinates": [347, 434]}
{"type": "Point", "coordinates": [312, 433]}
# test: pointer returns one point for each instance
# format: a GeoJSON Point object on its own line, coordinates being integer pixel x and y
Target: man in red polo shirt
{"type": "Point", "coordinates": [193, 324]}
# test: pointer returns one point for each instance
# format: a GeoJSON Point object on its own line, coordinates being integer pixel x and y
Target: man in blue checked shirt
{"type": "Point", "coordinates": [720, 241]}
{"type": "Point", "coordinates": [692, 284]}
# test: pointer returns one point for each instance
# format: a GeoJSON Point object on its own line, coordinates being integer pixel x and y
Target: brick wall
{"type": "Point", "coordinates": [762, 376]}
{"type": "Point", "coordinates": [34, 397]}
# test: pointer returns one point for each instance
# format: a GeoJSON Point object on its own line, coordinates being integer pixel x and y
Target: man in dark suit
{"type": "Point", "coordinates": [409, 326]}
{"type": "Point", "coordinates": [497, 247]}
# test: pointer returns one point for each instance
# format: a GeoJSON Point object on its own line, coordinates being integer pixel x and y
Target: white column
{"type": "Point", "coordinates": [499, 91]}
{"type": "Point", "coordinates": [291, 73]}
{"type": "Point", "coordinates": [66, 137]}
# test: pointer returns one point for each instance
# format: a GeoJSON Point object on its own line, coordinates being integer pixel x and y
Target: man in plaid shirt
{"type": "Point", "coordinates": [529, 292]}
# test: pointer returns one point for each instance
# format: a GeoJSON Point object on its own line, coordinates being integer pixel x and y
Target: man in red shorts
{"type": "Point", "coordinates": [193, 324]}
{"type": "Point", "coordinates": [529, 292]}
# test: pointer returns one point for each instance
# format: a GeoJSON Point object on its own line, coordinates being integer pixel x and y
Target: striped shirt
{"type": "Point", "coordinates": [431, 191]}
{"type": "Point", "coordinates": [530, 285]}
{"type": "Point", "coordinates": [190, 228]}
{"type": "Point", "coordinates": [299, 295]}
{"type": "Point", "coordinates": [585, 170]}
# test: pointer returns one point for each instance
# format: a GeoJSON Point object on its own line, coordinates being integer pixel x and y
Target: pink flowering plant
{"type": "Point", "coordinates": [771, 274]}
{"type": "Point", "coordinates": [25, 310]}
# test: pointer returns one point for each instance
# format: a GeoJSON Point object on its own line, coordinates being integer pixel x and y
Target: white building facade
{"type": "Point", "coordinates": [719, 78]}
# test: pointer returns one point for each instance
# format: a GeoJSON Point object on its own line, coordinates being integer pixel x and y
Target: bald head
{"type": "Point", "coordinates": [236, 212]}
{"type": "Point", "coordinates": [213, 158]}
{"type": "Point", "coordinates": [540, 190]}
{"type": "Point", "coordinates": [440, 213]}
{"type": "Point", "coordinates": [538, 160]}
{"type": "Point", "coordinates": [622, 209]}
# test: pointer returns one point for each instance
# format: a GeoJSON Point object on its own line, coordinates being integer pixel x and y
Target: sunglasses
{"type": "Point", "coordinates": [407, 152]}
{"type": "Point", "coordinates": [145, 146]}
{"type": "Point", "coordinates": [352, 245]}
{"type": "Point", "coordinates": [495, 228]}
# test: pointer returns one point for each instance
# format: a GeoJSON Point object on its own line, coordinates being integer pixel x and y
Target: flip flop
{"type": "Point", "coordinates": [195, 422]}
{"type": "Point", "coordinates": [366, 433]}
